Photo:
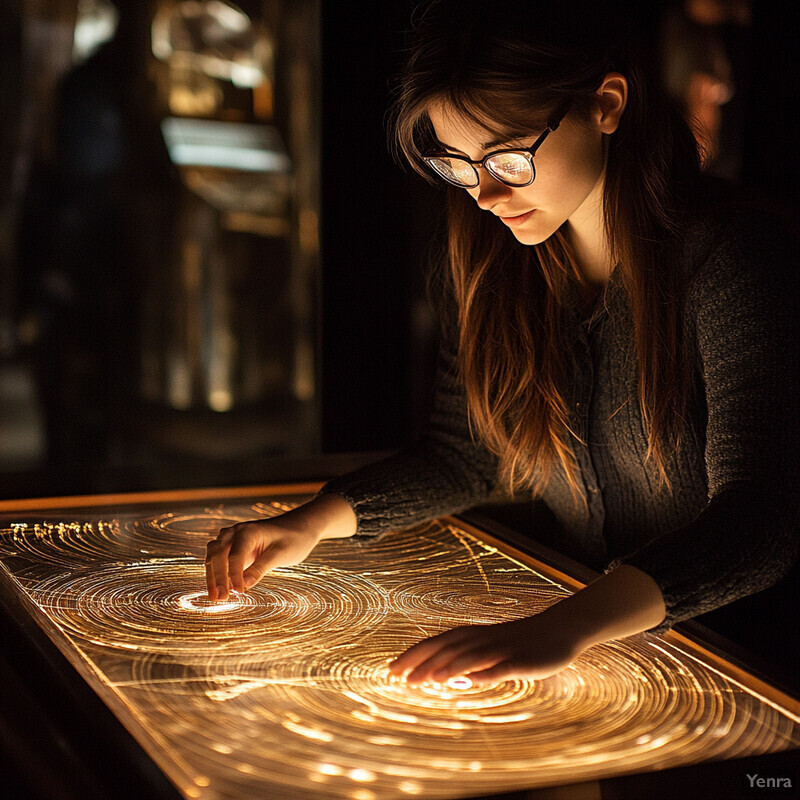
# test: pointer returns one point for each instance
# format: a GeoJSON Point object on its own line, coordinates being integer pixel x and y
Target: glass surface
{"type": "Point", "coordinates": [459, 172]}
{"type": "Point", "coordinates": [515, 169]}
{"type": "Point", "coordinates": [284, 692]}
{"type": "Point", "coordinates": [511, 167]}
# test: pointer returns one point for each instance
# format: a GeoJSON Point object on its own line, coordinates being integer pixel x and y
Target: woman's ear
{"type": "Point", "coordinates": [612, 97]}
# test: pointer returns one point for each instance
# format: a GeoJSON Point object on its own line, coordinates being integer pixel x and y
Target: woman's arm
{"type": "Point", "coordinates": [618, 604]}
{"type": "Point", "coordinates": [743, 306]}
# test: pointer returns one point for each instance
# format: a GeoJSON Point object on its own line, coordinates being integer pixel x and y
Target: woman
{"type": "Point", "coordinates": [613, 343]}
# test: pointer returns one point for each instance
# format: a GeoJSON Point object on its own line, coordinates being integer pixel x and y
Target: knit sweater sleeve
{"type": "Point", "coordinates": [744, 307]}
{"type": "Point", "coordinates": [443, 472]}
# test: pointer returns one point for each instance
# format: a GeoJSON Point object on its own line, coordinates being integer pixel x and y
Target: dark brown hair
{"type": "Point", "coordinates": [508, 66]}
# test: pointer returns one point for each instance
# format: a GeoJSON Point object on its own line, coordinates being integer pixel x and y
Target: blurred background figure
{"type": "Point", "coordinates": [705, 57]}
{"type": "Point", "coordinates": [79, 291]}
{"type": "Point", "coordinates": [165, 247]}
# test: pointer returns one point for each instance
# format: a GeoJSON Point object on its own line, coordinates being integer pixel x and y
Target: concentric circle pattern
{"type": "Point", "coordinates": [90, 539]}
{"type": "Point", "coordinates": [285, 691]}
{"type": "Point", "coordinates": [158, 606]}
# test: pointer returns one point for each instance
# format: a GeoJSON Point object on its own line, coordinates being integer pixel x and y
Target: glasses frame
{"type": "Point", "coordinates": [528, 152]}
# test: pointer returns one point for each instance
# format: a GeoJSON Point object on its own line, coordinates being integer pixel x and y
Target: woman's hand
{"type": "Point", "coordinates": [241, 554]}
{"type": "Point", "coordinates": [527, 648]}
{"type": "Point", "coordinates": [618, 604]}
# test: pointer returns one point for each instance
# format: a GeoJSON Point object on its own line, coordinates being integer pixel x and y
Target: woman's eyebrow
{"type": "Point", "coordinates": [448, 147]}
{"type": "Point", "coordinates": [505, 139]}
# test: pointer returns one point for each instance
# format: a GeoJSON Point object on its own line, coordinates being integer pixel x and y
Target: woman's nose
{"type": "Point", "coordinates": [489, 192]}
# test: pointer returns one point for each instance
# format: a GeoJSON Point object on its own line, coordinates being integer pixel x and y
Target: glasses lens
{"type": "Point", "coordinates": [511, 168]}
{"type": "Point", "coordinates": [455, 171]}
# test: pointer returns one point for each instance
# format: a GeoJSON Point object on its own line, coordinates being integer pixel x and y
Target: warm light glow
{"type": "Point", "coordinates": [198, 602]}
{"type": "Point", "coordinates": [285, 690]}
{"type": "Point", "coordinates": [214, 38]}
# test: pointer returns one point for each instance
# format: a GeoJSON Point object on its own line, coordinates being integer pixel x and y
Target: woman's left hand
{"type": "Point", "coordinates": [532, 647]}
{"type": "Point", "coordinates": [617, 604]}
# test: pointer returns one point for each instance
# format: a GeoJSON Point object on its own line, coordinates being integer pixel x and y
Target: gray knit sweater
{"type": "Point", "coordinates": [728, 526]}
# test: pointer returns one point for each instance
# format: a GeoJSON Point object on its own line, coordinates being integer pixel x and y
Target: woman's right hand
{"type": "Point", "coordinates": [242, 553]}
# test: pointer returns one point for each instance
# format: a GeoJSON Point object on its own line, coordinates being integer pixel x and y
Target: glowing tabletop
{"type": "Point", "coordinates": [284, 692]}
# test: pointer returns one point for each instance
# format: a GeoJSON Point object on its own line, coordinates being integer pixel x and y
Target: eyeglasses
{"type": "Point", "coordinates": [513, 166]}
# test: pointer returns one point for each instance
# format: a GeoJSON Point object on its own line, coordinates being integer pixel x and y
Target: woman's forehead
{"type": "Point", "coordinates": [476, 126]}
{"type": "Point", "coordinates": [446, 120]}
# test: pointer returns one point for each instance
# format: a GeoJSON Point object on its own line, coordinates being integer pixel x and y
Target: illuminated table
{"type": "Point", "coordinates": [284, 692]}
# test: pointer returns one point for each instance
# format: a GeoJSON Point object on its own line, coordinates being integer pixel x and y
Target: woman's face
{"type": "Point", "coordinates": [570, 166]}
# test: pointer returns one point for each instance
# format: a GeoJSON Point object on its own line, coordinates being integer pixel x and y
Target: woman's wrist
{"type": "Point", "coordinates": [328, 516]}
{"type": "Point", "coordinates": [618, 604]}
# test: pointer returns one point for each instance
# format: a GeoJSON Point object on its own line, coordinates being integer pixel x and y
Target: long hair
{"type": "Point", "coordinates": [507, 67]}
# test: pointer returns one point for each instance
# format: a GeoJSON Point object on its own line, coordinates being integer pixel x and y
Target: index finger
{"type": "Point", "coordinates": [242, 554]}
{"type": "Point", "coordinates": [217, 565]}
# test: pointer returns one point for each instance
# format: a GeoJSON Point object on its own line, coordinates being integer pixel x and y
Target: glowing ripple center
{"type": "Point", "coordinates": [198, 602]}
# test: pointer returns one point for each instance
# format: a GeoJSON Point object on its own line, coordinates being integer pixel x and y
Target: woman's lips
{"type": "Point", "coordinates": [519, 219]}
